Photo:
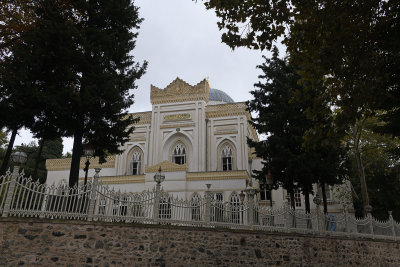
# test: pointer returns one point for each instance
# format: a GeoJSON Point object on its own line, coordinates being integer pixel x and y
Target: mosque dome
{"type": "Point", "coordinates": [219, 97]}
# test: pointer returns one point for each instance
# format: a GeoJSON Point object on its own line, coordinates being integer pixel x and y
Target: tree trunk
{"type": "Point", "coordinates": [76, 159]}
{"type": "Point", "coordinates": [292, 204]}
{"type": "Point", "coordinates": [39, 155]}
{"type": "Point", "coordinates": [360, 166]}
{"type": "Point", "coordinates": [8, 153]}
{"type": "Point", "coordinates": [307, 200]}
{"type": "Point", "coordinates": [324, 198]}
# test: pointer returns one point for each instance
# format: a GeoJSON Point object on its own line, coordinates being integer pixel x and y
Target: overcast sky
{"type": "Point", "coordinates": [180, 38]}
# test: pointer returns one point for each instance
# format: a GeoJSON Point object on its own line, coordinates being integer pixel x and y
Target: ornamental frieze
{"type": "Point", "coordinates": [180, 91]}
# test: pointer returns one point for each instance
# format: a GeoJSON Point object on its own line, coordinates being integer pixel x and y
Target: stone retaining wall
{"type": "Point", "coordinates": [25, 242]}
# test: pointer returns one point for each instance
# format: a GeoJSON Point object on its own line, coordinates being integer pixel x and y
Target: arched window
{"type": "Point", "coordinates": [179, 154]}
{"type": "Point", "coordinates": [235, 208]}
{"type": "Point", "coordinates": [227, 158]}
{"type": "Point", "coordinates": [136, 162]}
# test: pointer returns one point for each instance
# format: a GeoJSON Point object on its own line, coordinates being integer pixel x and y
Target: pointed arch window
{"type": "Point", "coordinates": [227, 158]}
{"type": "Point", "coordinates": [136, 162]}
{"type": "Point", "coordinates": [179, 154]}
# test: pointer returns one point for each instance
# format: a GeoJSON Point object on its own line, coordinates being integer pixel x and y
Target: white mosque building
{"type": "Point", "coordinates": [198, 136]}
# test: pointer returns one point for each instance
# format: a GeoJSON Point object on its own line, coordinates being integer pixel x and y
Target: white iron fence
{"type": "Point", "coordinates": [21, 197]}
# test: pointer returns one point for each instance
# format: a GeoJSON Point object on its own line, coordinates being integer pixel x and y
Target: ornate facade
{"type": "Point", "coordinates": [197, 136]}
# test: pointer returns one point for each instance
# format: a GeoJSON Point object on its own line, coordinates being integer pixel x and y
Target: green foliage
{"type": "Point", "coordinates": [300, 149]}
{"type": "Point", "coordinates": [51, 149]}
{"type": "Point", "coordinates": [3, 139]}
{"type": "Point", "coordinates": [353, 45]}
{"type": "Point", "coordinates": [71, 74]}
{"type": "Point", "coordinates": [381, 167]}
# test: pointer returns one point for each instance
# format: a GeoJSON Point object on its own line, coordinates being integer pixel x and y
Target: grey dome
{"type": "Point", "coordinates": [220, 96]}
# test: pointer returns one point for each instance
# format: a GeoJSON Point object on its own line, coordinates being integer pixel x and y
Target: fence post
{"type": "Point", "coordinates": [10, 192]}
{"type": "Point", "coordinates": [287, 209]}
{"type": "Point", "coordinates": [346, 223]}
{"type": "Point", "coordinates": [368, 209]}
{"type": "Point", "coordinates": [93, 195]}
{"type": "Point", "coordinates": [392, 224]}
{"type": "Point", "coordinates": [208, 197]}
{"type": "Point", "coordinates": [317, 201]}
{"type": "Point", "coordinates": [156, 206]}
{"type": "Point", "coordinates": [250, 194]}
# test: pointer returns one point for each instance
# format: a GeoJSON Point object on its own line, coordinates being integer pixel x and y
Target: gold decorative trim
{"type": "Point", "coordinates": [227, 110]}
{"type": "Point", "coordinates": [229, 175]}
{"type": "Point", "coordinates": [251, 153]}
{"type": "Point", "coordinates": [166, 166]}
{"type": "Point", "coordinates": [138, 139]}
{"type": "Point", "coordinates": [123, 179]}
{"type": "Point", "coordinates": [177, 117]}
{"type": "Point", "coordinates": [145, 117]}
{"type": "Point", "coordinates": [65, 163]}
{"type": "Point", "coordinates": [181, 125]}
{"type": "Point", "coordinates": [225, 132]}
{"type": "Point", "coordinates": [180, 91]}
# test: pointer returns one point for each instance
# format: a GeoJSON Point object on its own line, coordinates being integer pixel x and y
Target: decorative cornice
{"type": "Point", "coordinates": [251, 153]}
{"type": "Point", "coordinates": [125, 179]}
{"type": "Point", "coordinates": [166, 166]}
{"type": "Point", "coordinates": [177, 125]}
{"type": "Point", "coordinates": [254, 133]}
{"type": "Point", "coordinates": [65, 163]}
{"type": "Point", "coordinates": [227, 110]}
{"type": "Point", "coordinates": [229, 175]}
{"type": "Point", "coordinates": [180, 91]}
{"type": "Point", "coordinates": [145, 117]}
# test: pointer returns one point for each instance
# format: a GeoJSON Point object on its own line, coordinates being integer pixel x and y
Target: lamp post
{"type": "Point", "coordinates": [159, 177]}
{"type": "Point", "coordinates": [88, 151]}
{"type": "Point", "coordinates": [269, 182]}
{"type": "Point", "coordinates": [19, 158]}
{"type": "Point", "coordinates": [241, 198]}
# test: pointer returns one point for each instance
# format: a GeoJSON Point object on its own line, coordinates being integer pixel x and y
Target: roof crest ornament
{"type": "Point", "coordinates": [180, 91]}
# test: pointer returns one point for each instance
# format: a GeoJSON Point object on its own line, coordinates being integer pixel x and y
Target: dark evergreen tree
{"type": "Point", "coordinates": [81, 71]}
{"type": "Point", "coordinates": [300, 149]}
{"type": "Point", "coordinates": [284, 122]}
{"type": "Point", "coordinates": [107, 33]}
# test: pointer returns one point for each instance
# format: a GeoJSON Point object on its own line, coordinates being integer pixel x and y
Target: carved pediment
{"type": "Point", "coordinates": [167, 166]}
{"type": "Point", "coordinates": [180, 91]}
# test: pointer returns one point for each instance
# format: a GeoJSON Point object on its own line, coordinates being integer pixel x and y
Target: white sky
{"type": "Point", "coordinates": [179, 38]}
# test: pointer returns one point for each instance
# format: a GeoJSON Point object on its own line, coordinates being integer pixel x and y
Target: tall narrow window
{"type": "Point", "coordinates": [227, 158]}
{"type": "Point", "coordinates": [265, 193]}
{"type": "Point", "coordinates": [135, 163]}
{"type": "Point", "coordinates": [297, 197]}
{"type": "Point", "coordinates": [179, 154]}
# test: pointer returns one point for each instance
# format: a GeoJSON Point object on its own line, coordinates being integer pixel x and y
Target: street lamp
{"type": "Point", "coordinates": [159, 177]}
{"type": "Point", "coordinates": [88, 151]}
{"type": "Point", "coordinates": [19, 157]}
{"type": "Point", "coordinates": [241, 198]}
{"type": "Point", "coordinates": [269, 182]}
